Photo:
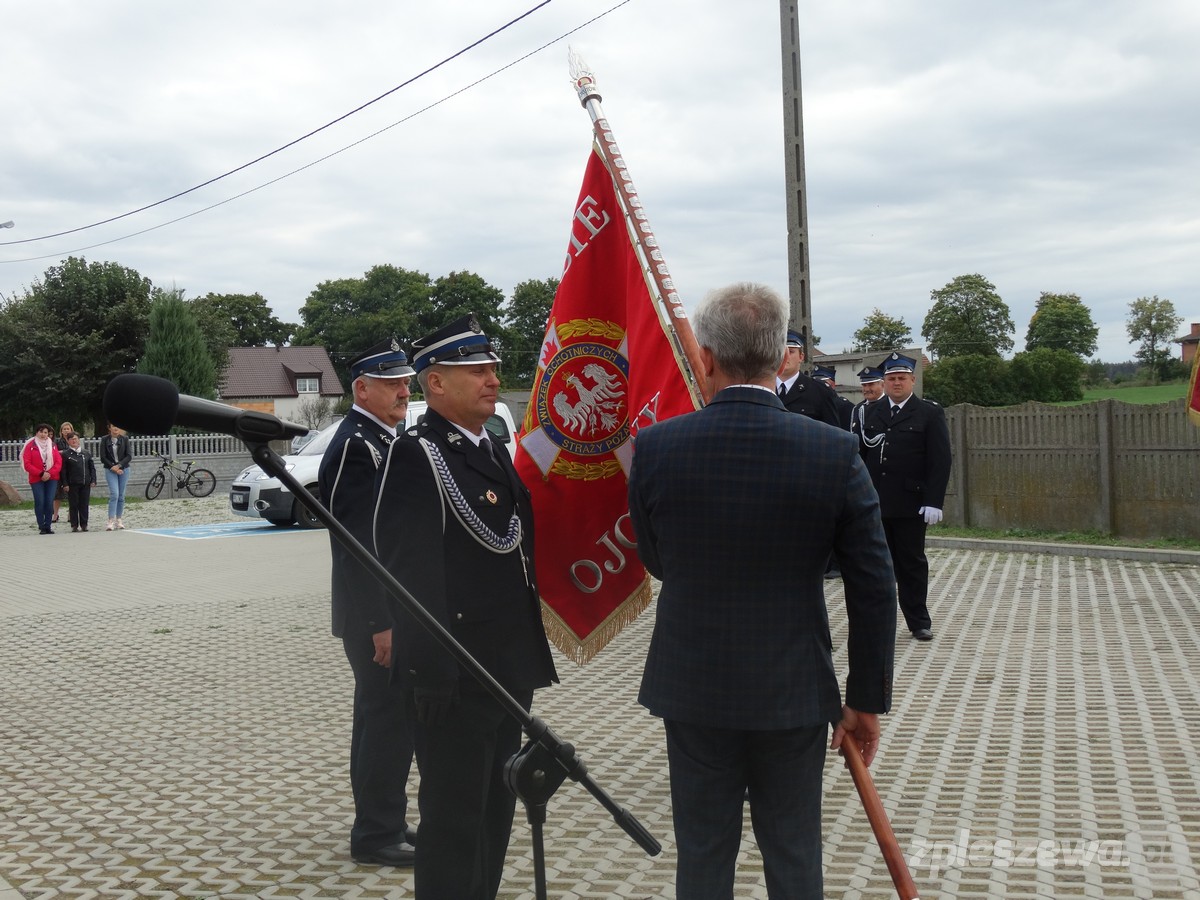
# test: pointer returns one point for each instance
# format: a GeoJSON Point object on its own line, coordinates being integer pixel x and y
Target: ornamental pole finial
{"type": "Point", "coordinates": [582, 78]}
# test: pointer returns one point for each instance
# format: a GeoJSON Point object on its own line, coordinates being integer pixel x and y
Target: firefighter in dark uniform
{"type": "Point", "coordinates": [828, 377]}
{"type": "Point", "coordinates": [454, 524]}
{"type": "Point", "coordinates": [870, 379]}
{"type": "Point", "coordinates": [381, 748]}
{"type": "Point", "coordinates": [799, 393]}
{"type": "Point", "coordinates": [906, 447]}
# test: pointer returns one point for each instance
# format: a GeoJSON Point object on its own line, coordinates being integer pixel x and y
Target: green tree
{"type": "Point", "coordinates": [1096, 373]}
{"type": "Point", "coordinates": [350, 315]}
{"type": "Point", "coordinates": [525, 318]}
{"type": "Point", "coordinates": [881, 332]}
{"type": "Point", "coordinates": [1047, 375]}
{"type": "Point", "coordinates": [1062, 322]}
{"type": "Point", "coordinates": [968, 318]}
{"type": "Point", "coordinates": [1152, 324]}
{"type": "Point", "coordinates": [217, 328]}
{"type": "Point", "coordinates": [459, 293]}
{"type": "Point", "coordinates": [975, 378]}
{"type": "Point", "coordinates": [238, 320]}
{"type": "Point", "coordinates": [254, 324]}
{"type": "Point", "coordinates": [66, 338]}
{"type": "Point", "coordinates": [176, 349]}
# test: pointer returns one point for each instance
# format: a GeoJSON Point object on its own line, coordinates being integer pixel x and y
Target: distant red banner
{"type": "Point", "coordinates": [607, 368]}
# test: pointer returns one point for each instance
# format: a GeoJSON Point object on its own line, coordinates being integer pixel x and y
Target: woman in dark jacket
{"type": "Point", "coordinates": [65, 430]}
{"type": "Point", "coordinates": [115, 456]}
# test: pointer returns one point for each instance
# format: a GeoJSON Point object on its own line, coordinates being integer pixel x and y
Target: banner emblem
{"type": "Point", "coordinates": [578, 423]}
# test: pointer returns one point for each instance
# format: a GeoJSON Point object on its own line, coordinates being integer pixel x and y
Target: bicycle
{"type": "Point", "coordinates": [198, 482]}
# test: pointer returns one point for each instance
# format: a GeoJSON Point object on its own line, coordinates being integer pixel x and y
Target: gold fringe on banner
{"type": "Point", "coordinates": [582, 651]}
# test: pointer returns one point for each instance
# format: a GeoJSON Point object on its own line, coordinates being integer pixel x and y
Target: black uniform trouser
{"type": "Point", "coordinates": [381, 749]}
{"type": "Point", "coordinates": [466, 806]}
{"type": "Point", "coordinates": [906, 541]}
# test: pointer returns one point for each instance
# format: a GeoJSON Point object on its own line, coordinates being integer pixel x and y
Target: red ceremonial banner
{"type": "Point", "coordinates": [607, 367]}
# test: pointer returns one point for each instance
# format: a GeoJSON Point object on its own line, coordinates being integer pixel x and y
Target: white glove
{"type": "Point", "coordinates": [932, 515]}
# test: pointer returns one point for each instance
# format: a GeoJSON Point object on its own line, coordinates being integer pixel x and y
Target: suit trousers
{"type": "Point", "coordinates": [381, 749]}
{"type": "Point", "coordinates": [711, 769]}
{"type": "Point", "coordinates": [906, 541]}
{"type": "Point", "coordinates": [466, 806]}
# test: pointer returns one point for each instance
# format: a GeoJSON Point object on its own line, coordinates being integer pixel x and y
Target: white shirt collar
{"type": "Point", "coordinates": [374, 418]}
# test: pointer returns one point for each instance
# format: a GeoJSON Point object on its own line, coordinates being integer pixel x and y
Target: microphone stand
{"type": "Point", "coordinates": [537, 770]}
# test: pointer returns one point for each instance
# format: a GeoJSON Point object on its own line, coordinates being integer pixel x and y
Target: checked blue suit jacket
{"type": "Point", "coordinates": [736, 508]}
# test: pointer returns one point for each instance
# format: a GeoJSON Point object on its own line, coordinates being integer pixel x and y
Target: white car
{"type": "Point", "coordinates": [258, 495]}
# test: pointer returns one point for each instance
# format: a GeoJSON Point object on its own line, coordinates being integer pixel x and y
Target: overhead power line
{"type": "Point", "coordinates": [315, 162]}
{"type": "Point", "coordinates": [293, 143]}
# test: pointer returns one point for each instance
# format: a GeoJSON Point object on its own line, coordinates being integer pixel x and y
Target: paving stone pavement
{"type": "Point", "coordinates": [175, 719]}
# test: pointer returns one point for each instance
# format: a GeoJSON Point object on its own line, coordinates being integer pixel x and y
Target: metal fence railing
{"type": "Point", "coordinates": [223, 454]}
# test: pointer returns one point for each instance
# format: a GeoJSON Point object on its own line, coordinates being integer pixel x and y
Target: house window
{"type": "Point", "coordinates": [308, 385]}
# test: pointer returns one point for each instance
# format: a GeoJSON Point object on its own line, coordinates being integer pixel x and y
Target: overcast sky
{"type": "Point", "coordinates": [1049, 146]}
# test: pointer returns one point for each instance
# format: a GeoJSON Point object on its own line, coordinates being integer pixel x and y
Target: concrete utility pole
{"type": "Point", "coordinates": [793, 163]}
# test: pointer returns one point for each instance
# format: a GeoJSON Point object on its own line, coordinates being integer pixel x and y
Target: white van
{"type": "Point", "coordinates": [258, 495]}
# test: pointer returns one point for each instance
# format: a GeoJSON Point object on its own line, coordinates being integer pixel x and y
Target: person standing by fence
{"type": "Point", "coordinates": [78, 479]}
{"type": "Point", "coordinates": [115, 455]}
{"type": "Point", "coordinates": [65, 430]}
{"type": "Point", "coordinates": [42, 462]}
{"type": "Point", "coordinates": [906, 446]}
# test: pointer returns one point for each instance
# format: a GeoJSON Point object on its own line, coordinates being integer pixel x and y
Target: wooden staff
{"type": "Point", "coordinates": [884, 835]}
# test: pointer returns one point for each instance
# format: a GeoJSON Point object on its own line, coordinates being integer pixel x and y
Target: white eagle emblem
{"type": "Point", "coordinates": [598, 407]}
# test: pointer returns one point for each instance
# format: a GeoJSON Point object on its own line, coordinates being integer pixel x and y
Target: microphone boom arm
{"type": "Point", "coordinates": [535, 729]}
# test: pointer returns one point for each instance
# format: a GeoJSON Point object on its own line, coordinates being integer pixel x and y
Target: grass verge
{"type": "Point", "coordinates": [1064, 537]}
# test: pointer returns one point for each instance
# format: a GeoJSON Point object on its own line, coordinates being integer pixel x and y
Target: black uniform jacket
{"type": "Point", "coordinates": [809, 398]}
{"type": "Point", "coordinates": [908, 455]}
{"type": "Point", "coordinates": [845, 409]}
{"type": "Point", "coordinates": [347, 486]}
{"type": "Point", "coordinates": [445, 528]}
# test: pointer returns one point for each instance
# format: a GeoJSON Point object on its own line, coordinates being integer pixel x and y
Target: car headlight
{"type": "Point", "coordinates": [266, 476]}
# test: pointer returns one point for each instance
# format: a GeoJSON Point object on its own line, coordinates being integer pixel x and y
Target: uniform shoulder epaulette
{"type": "Point", "coordinates": [421, 428]}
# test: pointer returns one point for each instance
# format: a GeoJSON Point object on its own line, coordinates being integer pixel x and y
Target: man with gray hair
{"type": "Point", "coordinates": [740, 665]}
{"type": "Point", "coordinates": [381, 744]}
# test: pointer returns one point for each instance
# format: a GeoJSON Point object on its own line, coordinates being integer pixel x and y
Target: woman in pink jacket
{"type": "Point", "coordinates": [43, 462]}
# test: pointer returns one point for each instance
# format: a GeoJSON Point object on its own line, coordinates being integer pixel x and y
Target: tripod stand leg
{"type": "Point", "coordinates": [536, 813]}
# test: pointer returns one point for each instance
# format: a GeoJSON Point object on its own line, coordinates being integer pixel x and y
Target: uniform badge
{"type": "Point", "coordinates": [492, 498]}
{"type": "Point", "coordinates": [453, 438]}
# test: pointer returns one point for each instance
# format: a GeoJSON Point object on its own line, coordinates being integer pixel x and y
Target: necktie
{"type": "Point", "coordinates": [895, 409]}
{"type": "Point", "coordinates": [486, 446]}
{"type": "Point", "coordinates": [782, 391]}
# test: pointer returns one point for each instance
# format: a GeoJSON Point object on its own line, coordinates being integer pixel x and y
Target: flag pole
{"type": "Point", "coordinates": [667, 301]}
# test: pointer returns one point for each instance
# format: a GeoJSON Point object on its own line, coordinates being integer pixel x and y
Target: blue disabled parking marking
{"type": "Point", "coordinates": [220, 530]}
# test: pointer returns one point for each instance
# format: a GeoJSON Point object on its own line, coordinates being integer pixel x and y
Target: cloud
{"type": "Point", "coordinates": [1046, 145]}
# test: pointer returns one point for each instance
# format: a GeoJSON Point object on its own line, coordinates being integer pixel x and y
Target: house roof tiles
{"type": "Point", "coordinates": [272, 372]}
